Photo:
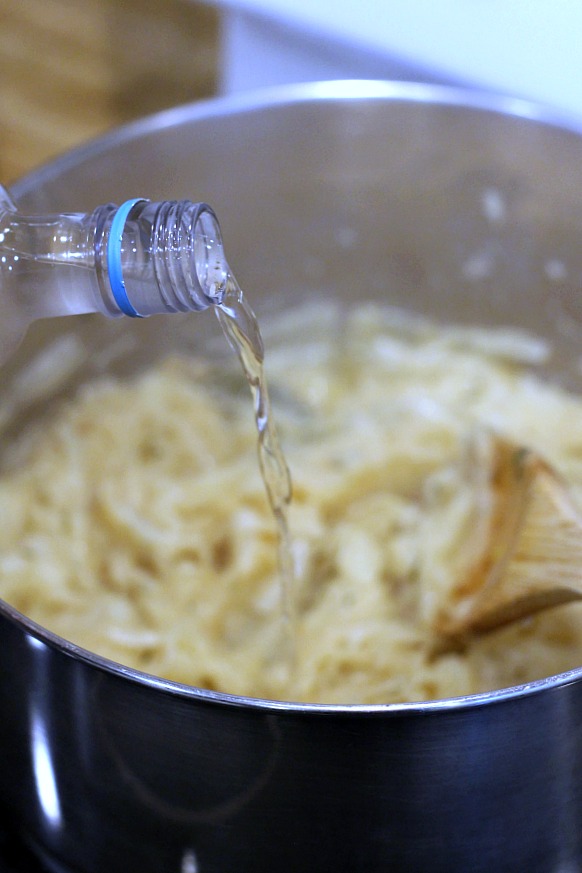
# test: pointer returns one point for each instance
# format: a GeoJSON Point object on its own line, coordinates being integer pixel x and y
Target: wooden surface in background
{"type": "Point", "coordinates": [72, 69]}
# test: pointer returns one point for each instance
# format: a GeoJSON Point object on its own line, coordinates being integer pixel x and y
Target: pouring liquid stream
{"type": "Point", "coordinates": [241, 329]}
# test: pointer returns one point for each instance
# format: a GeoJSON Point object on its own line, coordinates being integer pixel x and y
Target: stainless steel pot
{"type": "Point", "coordinates": [462, 206]}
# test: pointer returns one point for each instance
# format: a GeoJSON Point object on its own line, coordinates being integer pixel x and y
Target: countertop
{"type": "Point", "coordinates": [73, 69]}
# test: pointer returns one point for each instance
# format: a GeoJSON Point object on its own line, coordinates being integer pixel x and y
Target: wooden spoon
{"type": "Point", "coordinates": [532, 559]}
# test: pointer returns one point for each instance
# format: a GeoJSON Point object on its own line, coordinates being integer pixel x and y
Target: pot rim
{"type": "Point", "coordinates": [308, 92]}
{"type": "Point", "coordinates": [245, 102]}
{"type": "Point", "coordinates": [37, 635]}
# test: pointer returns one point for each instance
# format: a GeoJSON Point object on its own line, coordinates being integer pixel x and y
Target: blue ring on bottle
{"type": "Point", "coordinates": [114, 267]}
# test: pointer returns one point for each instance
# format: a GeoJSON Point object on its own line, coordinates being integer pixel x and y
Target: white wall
{"type": "Point", "coordinates": [528, 48]}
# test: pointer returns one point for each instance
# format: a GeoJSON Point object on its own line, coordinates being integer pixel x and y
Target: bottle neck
{"type": "Point", "coordinates": [138, 259]}
{"type": "Point", "coordinates": [159, 257]}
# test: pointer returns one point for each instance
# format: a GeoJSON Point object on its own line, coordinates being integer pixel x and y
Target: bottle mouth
{"type": "Point", "coordinates": [210, 265]}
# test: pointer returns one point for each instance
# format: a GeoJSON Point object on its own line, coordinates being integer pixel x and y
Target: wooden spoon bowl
{"type": "Point", "coordinates": [532, 559]}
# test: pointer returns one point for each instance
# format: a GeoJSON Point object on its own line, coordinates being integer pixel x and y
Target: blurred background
{"type": "Point", "coordinates": [72, 69]}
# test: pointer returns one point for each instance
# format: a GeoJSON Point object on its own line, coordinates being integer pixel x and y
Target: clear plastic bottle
{"type": "Point", "coordinates": [138, 259]}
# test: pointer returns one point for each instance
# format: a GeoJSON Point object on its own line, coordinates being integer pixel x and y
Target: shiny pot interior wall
{"type": "Point", "coordinates": [458, 206]}
{"type": "Point", "coordinates": [459, 211]}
